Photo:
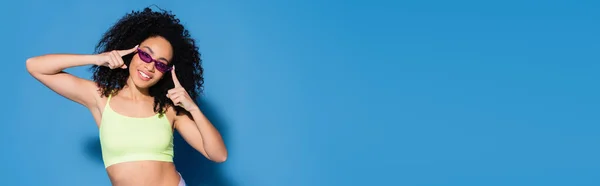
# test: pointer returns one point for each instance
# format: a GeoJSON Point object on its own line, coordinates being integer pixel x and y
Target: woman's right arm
{"type": "Point", "coordinates": [48, 69]}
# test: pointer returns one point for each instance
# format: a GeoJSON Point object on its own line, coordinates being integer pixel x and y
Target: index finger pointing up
{"type": "Point", "coordinates": [128, 51]}
{"type": "Point", "coordinates": [175, 80]}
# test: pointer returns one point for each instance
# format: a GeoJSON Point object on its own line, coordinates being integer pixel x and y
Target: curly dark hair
{"type": "Point", "coordinates": [134, 28]}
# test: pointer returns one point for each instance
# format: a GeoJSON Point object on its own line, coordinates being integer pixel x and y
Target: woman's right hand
{"type": "Point", "coordinates": [114, 59]}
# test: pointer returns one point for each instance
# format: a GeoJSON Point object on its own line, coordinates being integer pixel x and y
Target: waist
{"type": "Point", "coordinates": [147, 173]}
{"type": "Point", "coordinates": [135, 157]}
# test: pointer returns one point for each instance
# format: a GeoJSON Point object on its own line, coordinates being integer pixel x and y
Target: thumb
{"type": "Point", "coordinates": [128, 51]}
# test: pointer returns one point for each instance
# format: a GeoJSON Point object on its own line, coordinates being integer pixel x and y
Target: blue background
{"type": "Point", "coordinates": [453, 93]}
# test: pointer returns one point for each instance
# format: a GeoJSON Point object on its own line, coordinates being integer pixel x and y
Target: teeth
{"type": "Point", "coordinates": [146, 76]}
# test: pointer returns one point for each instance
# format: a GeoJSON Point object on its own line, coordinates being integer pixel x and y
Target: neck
{"type": "Point", "coordinates": [135, 92]}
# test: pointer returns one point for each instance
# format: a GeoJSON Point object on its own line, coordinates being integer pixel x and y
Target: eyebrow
{"type": "Point", "coordinates": [152, 52]}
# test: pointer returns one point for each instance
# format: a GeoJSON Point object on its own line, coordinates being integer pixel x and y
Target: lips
{"type": "Point", "coordinates": [144, 76]}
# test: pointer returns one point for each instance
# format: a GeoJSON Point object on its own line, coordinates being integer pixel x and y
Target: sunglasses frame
{"type": "Point", "coordinates": [147, 58]}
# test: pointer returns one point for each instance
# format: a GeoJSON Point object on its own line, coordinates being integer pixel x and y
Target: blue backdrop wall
{"type": "Point", "coordinates": [308, 92]}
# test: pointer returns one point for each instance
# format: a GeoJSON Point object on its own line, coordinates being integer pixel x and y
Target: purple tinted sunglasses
{"type": "Point", "coordinates": [148, 59]}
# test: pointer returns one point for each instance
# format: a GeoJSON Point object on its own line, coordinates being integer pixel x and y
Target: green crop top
{"type": "Point", "coordinates": [126, 139]}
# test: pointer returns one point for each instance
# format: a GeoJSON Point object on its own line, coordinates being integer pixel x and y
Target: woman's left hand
{"type": "Point", "coordinates": [179, 96]}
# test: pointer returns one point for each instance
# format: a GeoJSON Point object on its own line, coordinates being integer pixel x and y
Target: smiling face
{"type": "Point", "coordinates": [151, 62]}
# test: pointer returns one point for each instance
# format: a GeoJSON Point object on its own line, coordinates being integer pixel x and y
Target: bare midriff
{"type": "Point", "coordinates": [146, 173]}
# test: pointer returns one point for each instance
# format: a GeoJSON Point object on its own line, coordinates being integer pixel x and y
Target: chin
{"type": "Point", "coordinates": [142, 85]}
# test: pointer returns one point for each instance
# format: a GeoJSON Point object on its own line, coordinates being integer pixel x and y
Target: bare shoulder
{"type": "Point", "coordinates": [99, 99]}
{"type": "Point", "coordinates": [171, 114]}
{"type": "Point", "coordinates": [178, 119]}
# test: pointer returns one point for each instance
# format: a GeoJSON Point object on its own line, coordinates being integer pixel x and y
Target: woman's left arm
{"type": "Point", "coordinates": [194, 127]}
{"type": "Point", "coordinates": [199, 132]}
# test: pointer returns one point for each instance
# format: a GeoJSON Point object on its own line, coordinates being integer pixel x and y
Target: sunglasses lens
{"type": "Point", "coordinates": [162, 67]}
{"type": "Point", "coordinates": [145, 57]}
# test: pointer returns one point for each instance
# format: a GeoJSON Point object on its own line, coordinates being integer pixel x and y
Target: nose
{"type": "Point", "coordinates": [150, 67]}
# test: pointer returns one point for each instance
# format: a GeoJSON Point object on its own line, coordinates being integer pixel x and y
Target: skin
{"type": "Point", "coordinates": [133, 101]}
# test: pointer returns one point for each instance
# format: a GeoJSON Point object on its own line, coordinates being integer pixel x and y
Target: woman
{"type": "Point", "coordinates": [146, 75]}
